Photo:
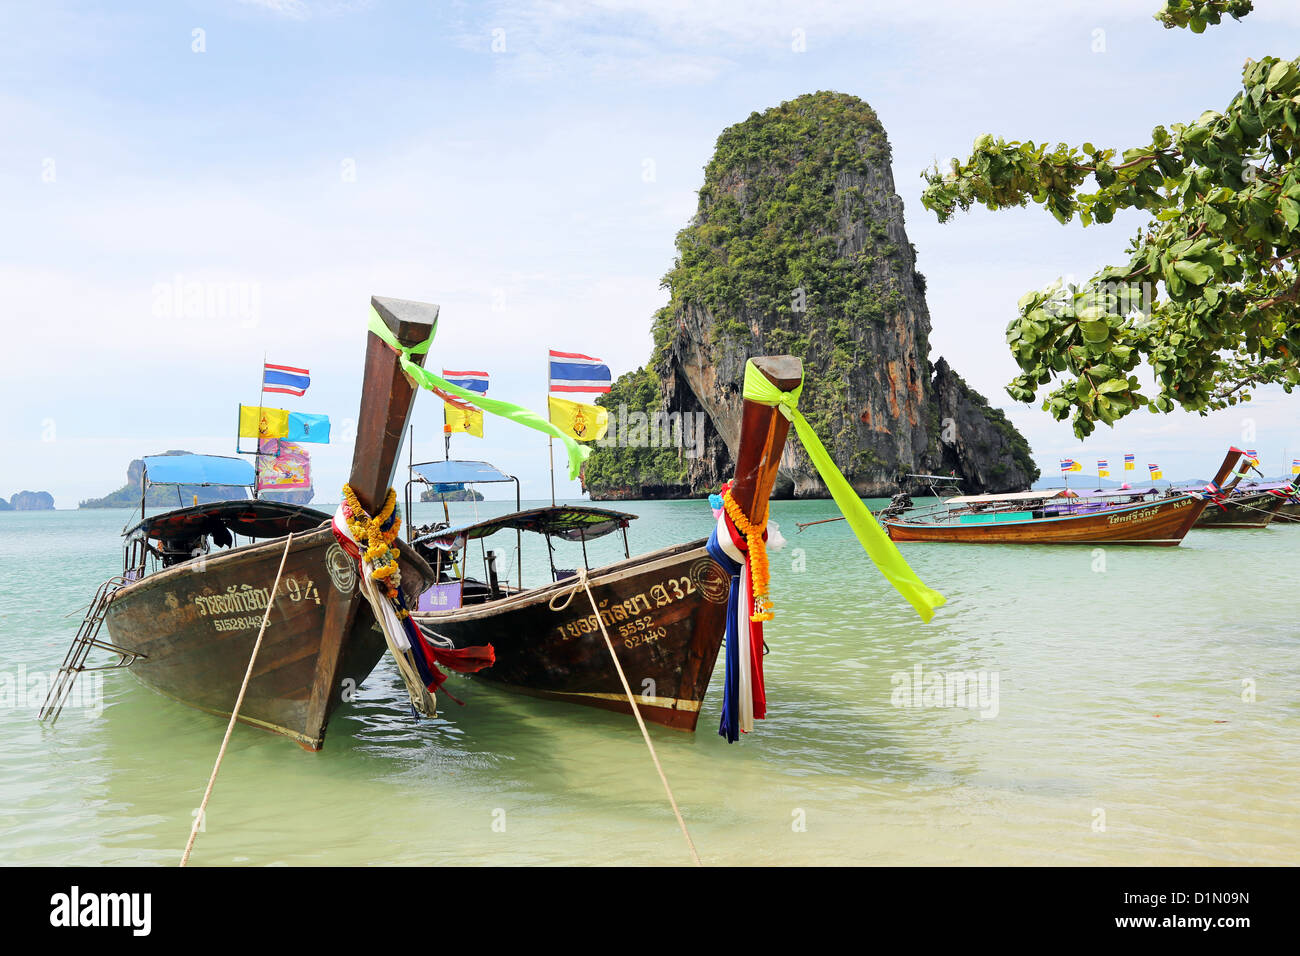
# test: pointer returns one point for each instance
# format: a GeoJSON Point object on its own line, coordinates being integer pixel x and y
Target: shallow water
{"type": "Point", "coordinates": [1147, 710]}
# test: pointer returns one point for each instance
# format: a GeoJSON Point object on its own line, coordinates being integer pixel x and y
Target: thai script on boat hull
{"type": "Point", "coordinates": [1147, 513]}
{"type": "Point", "coordinates": [236, 600]}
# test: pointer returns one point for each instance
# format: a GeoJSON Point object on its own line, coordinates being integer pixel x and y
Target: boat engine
{"type": "Point", "coordinates": [898, 504]}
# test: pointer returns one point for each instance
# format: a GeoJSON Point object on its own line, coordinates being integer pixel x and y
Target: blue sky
{"type": "Point", "coordinates": [311, 154]}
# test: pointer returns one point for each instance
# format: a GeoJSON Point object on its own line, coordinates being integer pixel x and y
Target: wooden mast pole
{"type": "Point", "coordinates": [387, 397]}
{"type": "Point", "coordinates": [763, 431]}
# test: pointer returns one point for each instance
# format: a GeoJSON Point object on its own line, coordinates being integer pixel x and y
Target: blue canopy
{"type": "Point", "coordinates": [454, 475]}
{"type": "Point", "coordinates": [198, 470]}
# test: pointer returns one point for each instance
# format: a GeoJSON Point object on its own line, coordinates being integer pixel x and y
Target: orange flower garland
{"type": "Point", "coordinates": [760, 573]}
{"type": "Point", "coordinates": [369, 531]}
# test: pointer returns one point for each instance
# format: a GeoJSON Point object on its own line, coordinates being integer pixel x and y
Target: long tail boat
{"type": "Point", "coordinates": [1242, 510]}
{"type": "Point", "coordinates": [1289, 510]}
{"type": "Point", "coordinates": [1254, 504]}
{"type": "Point", "coordinates": [1061, 517]}
{"type": "Point", "coordinates": [186, 612]}
{"type": "Point", "coordinates": [665, 611]}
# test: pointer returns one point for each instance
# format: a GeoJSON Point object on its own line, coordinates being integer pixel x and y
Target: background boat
{"type": "Point", "coordinates": [1242, 510]}
{"type": "Point", "coordinates": [1058, 516]}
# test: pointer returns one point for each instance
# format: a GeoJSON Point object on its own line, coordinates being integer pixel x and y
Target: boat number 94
{"type": "Point", "coordinates": [302, 592]}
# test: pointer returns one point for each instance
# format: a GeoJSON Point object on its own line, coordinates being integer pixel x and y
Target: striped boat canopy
{"type": "Point", "coordinates": [570, 522]}
{"type": "Point", "coordinates": [1050, 493]}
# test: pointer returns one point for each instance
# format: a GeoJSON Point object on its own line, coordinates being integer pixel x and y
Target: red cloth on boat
{"type": "Point", "coordinates": [759, 693]}
{"type": "Point", "coordinates": [463, 660]}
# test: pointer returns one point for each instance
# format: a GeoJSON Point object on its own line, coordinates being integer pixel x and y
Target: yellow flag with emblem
{"type": "Point", "coordinates": [462, 420]}
{"type": "Point", "coordinates": [578, 420]}
{"type": "Point", "coordinates": [261, 422]}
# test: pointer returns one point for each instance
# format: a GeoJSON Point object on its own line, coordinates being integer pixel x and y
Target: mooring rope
{"type": "Point", "coordinates": [1245, 507]}
{"type": "Point", "coordinates": [1253, 507]}
{"type": "Point", "coordinates": [631, 699]}
{"type": "Point", "coordinates": [239, 702]}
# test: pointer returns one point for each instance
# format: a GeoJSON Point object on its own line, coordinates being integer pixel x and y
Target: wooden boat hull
{"type": "Point", "coordinates": [1161, 523]}
{"type": "Point", "coordinates": [195, 624]}
{"type": "Point", "coordinates": [1289, 513]}
{"type": "Point", "coordinates": [1250, 511]}
{"type": "Point", "coordinates": [665, 612]}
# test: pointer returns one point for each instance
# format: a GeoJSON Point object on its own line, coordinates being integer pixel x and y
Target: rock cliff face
{"type": "Point", "coordinates": [32, 501]}
{"type": "Point", "coordinates": [798, 247]}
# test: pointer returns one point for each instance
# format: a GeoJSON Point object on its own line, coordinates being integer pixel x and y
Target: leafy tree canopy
{"type": "Point", "coordinates": [1208, 295]}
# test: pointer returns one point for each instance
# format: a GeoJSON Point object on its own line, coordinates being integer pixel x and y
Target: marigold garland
{"type": "Point", "coordinates": [760, 573]}
{"type": "Point", "coordinates": [376, 534]}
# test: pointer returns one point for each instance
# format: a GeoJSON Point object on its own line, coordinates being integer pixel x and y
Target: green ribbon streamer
{"type": "Point", "coordinates": [879, 548]}
{"type": "Point", "coordinates": [516, 413]}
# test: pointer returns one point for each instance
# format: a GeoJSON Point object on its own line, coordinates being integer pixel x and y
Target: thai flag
{"type": "Point", "coordinates": [575, 372]}
{"type": "Point", "coordinates": [1102, 463]}
{"type": "Point", "coordinates": [285, 379]}
{"type": "Point", "coordinates": [474, 381]}
{"type": "Point", "coordinates": [1067, 464]}
{"type": "Point", "coordinates": [1253, 456]}
{"type": "Point", "coordinates": [1129, 462]}
{"type": "Point", "coordinates": [1295, 466]}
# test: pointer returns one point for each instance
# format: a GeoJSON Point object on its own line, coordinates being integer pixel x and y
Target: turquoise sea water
{"type": "Point", "coordinates": [1147, 710]}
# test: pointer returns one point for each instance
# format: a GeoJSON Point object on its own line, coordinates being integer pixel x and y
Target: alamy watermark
{"type": "Point", "coordinates": [637, 429]}
{"type": "Point", "coordinates": [193, 299]}
{"type": "Point", "coordinates": [973, 690]}
{"type": "Point", "coordinates": [23, 690]}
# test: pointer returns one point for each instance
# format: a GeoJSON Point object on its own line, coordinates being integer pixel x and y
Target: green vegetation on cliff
{"type": "Point", "coordinates": [769, 213]}
{"type": "Point", "coordinates": [798, 247]}
{"type": "Point", "coordinates": [624, 467]}
{"type": "Point", "coordinates": [781, 192]}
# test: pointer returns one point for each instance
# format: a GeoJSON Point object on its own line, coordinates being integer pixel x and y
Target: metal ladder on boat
{"type": "Point", "coordinates": [87, 639]}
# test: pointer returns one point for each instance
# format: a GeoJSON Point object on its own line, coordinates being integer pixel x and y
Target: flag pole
{"type": "Point", "coordinates": [261, 410]}
{"type": "Point", "coordinates": [550, 441]}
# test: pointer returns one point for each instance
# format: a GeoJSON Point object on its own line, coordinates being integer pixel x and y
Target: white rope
{"type": "Point", "coordinates": [1245, 507]}
{"type": "Point", "coordinates": [239, 702]}
{"type": "Point", "coordinates": [631, 699]}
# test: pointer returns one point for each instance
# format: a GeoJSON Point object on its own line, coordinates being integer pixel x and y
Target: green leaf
{"type": "Point", "coordinates": [1290, 212]}
{"type": "Point", "coordinates": [1197, 273]}
{"type": "Point", "coordinates": [1094, 332]}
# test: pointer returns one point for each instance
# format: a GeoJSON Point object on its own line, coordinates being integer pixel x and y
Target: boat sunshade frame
{"type": "Point", "coordinates": [569, 522]}
{"type": "Point", "coordinates": [1117, 492]}
{"type": "Point", "coordinates": [447, 476]}
{"type": "Point", "coordinates": [252, 518]}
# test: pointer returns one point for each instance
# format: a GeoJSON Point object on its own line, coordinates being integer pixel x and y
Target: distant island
{"type": "Point", "coordinates": [465, 494]}
{"type": "Point", "coordinates": [174, 496]}
{"type": "Point", "coordinates": [28, 501]}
